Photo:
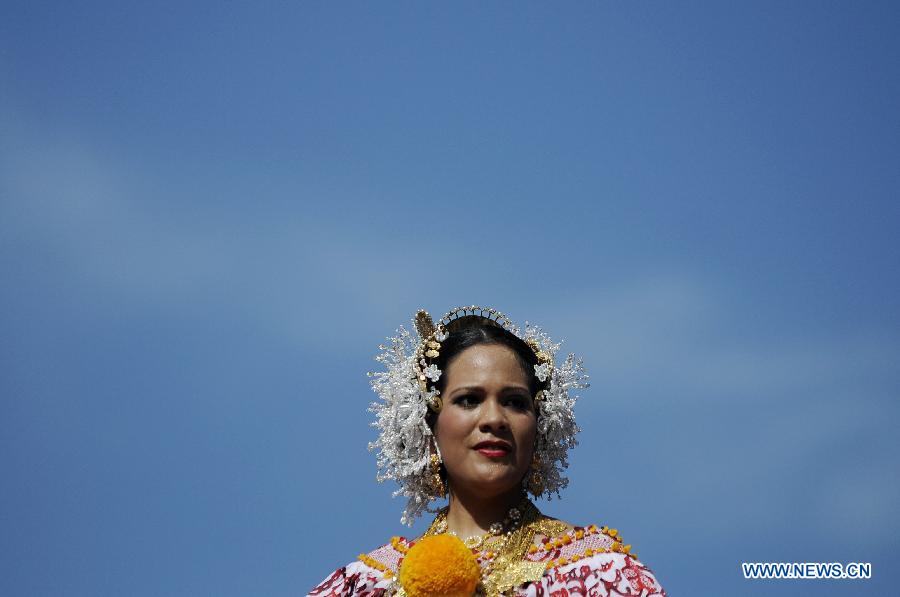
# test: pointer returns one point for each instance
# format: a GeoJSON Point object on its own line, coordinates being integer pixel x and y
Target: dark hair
{"type": "Point", "coordinates": [471, 331]}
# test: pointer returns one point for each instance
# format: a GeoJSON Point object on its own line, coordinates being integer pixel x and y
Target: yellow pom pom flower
{"type": "Point", "coordinates": [439, 565]}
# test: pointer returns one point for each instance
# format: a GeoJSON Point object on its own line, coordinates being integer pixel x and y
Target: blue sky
{"type": "Point", "coordinates": [211, 215]}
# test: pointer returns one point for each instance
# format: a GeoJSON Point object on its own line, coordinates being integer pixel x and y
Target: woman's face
{"type": "Point", "coordinates": [486, 428]}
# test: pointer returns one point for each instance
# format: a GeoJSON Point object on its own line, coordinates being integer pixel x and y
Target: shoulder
{"type": "Point", "coordinates": [590, 556]}
{"type": "Point", "coordinates": [386, 558]}
{"type": "Point", "coordinates": [372, 573]}
{"type": "Point", "coordinates": [557, 539]}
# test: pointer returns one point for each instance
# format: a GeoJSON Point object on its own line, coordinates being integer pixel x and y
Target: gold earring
{"type": "Point", "coordinates": [437, 482]}
{"type": "Point", "coordinates": [535, 482]}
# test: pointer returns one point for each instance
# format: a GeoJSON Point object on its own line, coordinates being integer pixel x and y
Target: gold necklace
{"type": "Point", "coordinates": [503, 564]}
{"type": "Point", "coordinates": [496, 529]}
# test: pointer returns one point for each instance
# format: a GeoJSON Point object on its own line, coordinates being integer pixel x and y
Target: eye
{"type": "Point", "coordinates": [519, 402]}
{"type": "Point", "coordinates": [467, 401]}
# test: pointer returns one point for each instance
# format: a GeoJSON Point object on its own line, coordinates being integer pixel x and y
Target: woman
{"type": "Point", "coordinates": [477, 408]}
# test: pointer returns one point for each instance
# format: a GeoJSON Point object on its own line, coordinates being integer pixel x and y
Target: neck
{"type": "Point", "coordinates": [472, 514]}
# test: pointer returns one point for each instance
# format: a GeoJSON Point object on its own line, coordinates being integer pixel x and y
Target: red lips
{"type": "Point", "coordinates": [493, 448]}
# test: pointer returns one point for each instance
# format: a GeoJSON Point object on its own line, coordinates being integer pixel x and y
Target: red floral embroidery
{"type": "Point", "coordinates": [603, 575]}
{"type": "Point", "coordinates": [600, 575]}
{"type": "Point", "coordinates": [360, 583]}
{"type": "Point", "coordinates": [636, 577]}
{"type": "Point", "coordinates": [333, 585]}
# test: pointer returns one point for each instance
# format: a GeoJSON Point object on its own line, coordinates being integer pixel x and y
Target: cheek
{"type": "Point", "coordinates": [528, 427]}
{"type": "Point", "coordinates": [449, 428]}
{"type": "Point", "coordinates": [525, 432]}
{"type": "Point", "coordinates": [529, 438]}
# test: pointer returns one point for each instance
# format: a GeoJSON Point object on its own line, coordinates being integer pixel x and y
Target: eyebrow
{"type": "Point", "coordinates": [480, 389]}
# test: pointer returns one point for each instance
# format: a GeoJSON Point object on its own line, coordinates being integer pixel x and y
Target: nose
{"type": "Point", "coordinates": [493, 416]}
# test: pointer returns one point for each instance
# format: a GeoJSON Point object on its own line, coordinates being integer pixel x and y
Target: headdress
{"type": "Point", "coordinates": [407, 392]}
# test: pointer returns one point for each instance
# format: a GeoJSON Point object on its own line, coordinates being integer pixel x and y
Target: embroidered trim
{"type": "Point", "coordinates": [554, 546]}
{"type": "Point", "coordinates": [572, 546]}
{"type": "Point", "coordinates": [373, 563]}
{"type": "Point", "coordinates": [399, 544]}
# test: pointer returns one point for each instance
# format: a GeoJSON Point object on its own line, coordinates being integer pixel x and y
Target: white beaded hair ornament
{"type": "Point", "coordinates": [407, 393]}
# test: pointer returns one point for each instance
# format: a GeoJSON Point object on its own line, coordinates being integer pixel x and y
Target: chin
{"type": "Point", "coordinates": [493, 486]}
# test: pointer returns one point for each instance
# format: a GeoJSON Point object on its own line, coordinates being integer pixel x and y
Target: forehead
{"type": "Point", "coordinates": [485, 364]}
